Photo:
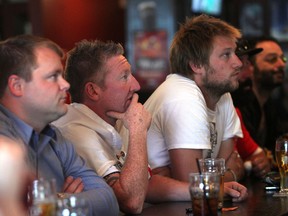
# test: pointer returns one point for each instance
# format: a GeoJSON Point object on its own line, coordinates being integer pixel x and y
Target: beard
{"type": "Point", "coordinates": [246, 84]}
{"type": "Point", "coordinates": [267, 79]}
{"type": "Point", "coordinates": [217, 88]}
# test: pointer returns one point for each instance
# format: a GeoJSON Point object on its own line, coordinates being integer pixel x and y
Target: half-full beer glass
{"type": "Point", "coordinates": [215, 165]}
{"type": "Point", "coordinates": [43, 198]}
{"type": "Point", "coordinates": [281, 151]}
{"type": "Point", "coordinates": [204, 190]}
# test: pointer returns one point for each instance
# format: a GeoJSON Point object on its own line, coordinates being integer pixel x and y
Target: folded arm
{"type": "Point", "coordinates": [163, 188]}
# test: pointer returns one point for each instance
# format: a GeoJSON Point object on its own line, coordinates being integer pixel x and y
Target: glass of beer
{"type": "Point", "coordinates": [204, 191]}
{"type": "Point", "coordinates": [43, 199]}
{"type": "Point", "coordinates": [72, 206]}
{"type": "Point", "coordinates": [281, 151]}
{"type": "Point", "coordinates": [215, 165]}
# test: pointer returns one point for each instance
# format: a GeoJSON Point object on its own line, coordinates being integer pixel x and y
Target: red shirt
{"type": "Point", "coordinates": [246, 145]}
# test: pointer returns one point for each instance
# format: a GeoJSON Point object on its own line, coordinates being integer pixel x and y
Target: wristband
{"type": "Point", "coordinates": [233, 174]}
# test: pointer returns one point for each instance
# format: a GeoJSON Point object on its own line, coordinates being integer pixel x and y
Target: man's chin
{"type": "Point", "coordinates": [234, 86]}
{"type": "Point", "coordinates": [61, 112]}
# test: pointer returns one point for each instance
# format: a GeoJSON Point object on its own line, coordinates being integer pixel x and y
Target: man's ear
{"type": "Point", "coordinates": [92, 91]}
{"type": "Point", "coordinates": [196, 68]}
{"type": "Point", "coordinates": [16, 85]}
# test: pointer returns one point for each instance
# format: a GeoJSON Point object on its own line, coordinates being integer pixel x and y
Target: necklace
{"type": "Point", "coordinates": [213, 138]}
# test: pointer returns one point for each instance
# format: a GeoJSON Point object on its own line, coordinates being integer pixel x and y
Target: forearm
{"type": "Point", "coordinates": [98, 194]}
{"type": "Point", "coordinates": [235, 167]}
{"type": "Point", "coordinates": [233, 161]}
{"type": "Point", "coordinates": [164, 189]}
{"type": "Point", "coordinates": [132, 184]}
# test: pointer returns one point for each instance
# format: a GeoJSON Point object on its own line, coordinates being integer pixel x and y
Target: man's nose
{"type": "Point", "coordinates": [135, 85]}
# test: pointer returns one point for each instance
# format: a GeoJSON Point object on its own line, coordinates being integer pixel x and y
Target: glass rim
{"type": "Point", "coordinates": [204, 174]}
{"type": "Point", "coordinates": [211, 159]}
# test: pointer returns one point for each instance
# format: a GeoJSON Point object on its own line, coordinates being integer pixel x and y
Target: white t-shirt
{"type": "Point", "coordinates": [94, 139]}
{"type": "Point", "coordinates": [180, 119]}
{"type": "Point", "coordinates": [226, 121]}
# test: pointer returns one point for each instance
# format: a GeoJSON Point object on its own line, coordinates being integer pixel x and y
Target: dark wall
{"type": "Point", "coordinates": [67, 22]}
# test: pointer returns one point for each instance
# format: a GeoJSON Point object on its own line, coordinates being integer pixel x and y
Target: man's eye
{"type": "Point", "coordinates": [227, 54]}
{"type": "Point", "coordinates": [272, 60]}
{"type": "Point", "coordinates": [125, 76]}
{"type": "Point", "coordinates": [54, 76]}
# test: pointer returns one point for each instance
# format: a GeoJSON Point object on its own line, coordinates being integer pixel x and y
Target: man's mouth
{"type": "Point", "coordinates": [279, 74]}
{"type": "Point", "coordinates": [280, 71]}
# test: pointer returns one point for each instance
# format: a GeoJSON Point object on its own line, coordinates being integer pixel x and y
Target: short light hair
{"type": "Point", "coordinates": [86, 62]}
{"type": "Point", "coordinates": [194, 42]}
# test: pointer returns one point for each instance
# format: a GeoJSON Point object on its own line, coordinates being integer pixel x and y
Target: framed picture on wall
{"type": "Point", "coordinates": [151, 57]}
{"type": "Point", "coordinates": [251, 19]}
{"type": "Point", "coordinates": [279, 19]}
{"type": "Point", "coordinates": [151, 25]}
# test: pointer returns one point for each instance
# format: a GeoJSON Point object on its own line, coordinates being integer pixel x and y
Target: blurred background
{"type": "Point", "coordinates": [144, 27]}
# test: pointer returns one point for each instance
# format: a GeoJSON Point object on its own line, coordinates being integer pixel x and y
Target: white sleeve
{"type": "Point", "coordinates": [185, 124]}
{"type": "Point", "coordinates": [233, 125]}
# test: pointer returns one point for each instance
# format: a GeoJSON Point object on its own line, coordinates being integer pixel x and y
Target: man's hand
{"type": "Point", "coordinates": [72, 185]}
{"type": "Point", "coordinates": [136, 116]}
{"type": "Point", "coordinates": [260, 164]}
{"type": "Point", "coordinates": [237, 191]}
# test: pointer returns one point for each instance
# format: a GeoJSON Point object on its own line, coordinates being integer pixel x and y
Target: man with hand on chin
{"type": "Point", "coordinates": [32, 95]}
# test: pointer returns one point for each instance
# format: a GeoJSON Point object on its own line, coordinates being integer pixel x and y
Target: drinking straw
{"type": "Point", "coordinates": [208, 204]}
{"type": "Point", "coordinates": [198, 165]}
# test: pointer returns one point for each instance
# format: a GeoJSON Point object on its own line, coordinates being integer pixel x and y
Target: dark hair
{"type": "Point", "coordinates": [86, 62]}
{"type": "Point", "coordinates": [194, 42]}
{"type": "Point", "coordinates": [17, 56]}
{"type": "Point", "coordinates": [255, 40]}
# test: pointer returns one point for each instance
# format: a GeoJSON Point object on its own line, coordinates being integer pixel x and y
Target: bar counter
{"type": "Point", "coordinates": [259, 202]}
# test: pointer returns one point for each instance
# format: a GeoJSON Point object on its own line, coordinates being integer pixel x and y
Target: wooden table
{"type": "Point", "coordinates": [259, 203]}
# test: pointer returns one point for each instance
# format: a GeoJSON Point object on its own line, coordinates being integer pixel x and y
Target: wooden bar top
{"type": "Point", "coordinates": [259, 202]}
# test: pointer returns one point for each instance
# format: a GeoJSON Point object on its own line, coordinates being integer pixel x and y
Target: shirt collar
{"type": "Point", "coordinates": [25, 130]}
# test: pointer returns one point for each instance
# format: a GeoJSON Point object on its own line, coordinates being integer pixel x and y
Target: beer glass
{"type": "Point", "coordinates": [72, 206]}
{"type": "Point", "coordinates": [281, 152]}
{"type": "Point", "coordinates": [215, 165]}
{"type": "Point", "coordinates": [43, 198]}
{"type": "Point", "coordinates": [204, 191]}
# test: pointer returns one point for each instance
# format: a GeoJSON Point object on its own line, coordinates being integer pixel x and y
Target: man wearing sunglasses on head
{"type": "Point", "coordinates": [258, 112]}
